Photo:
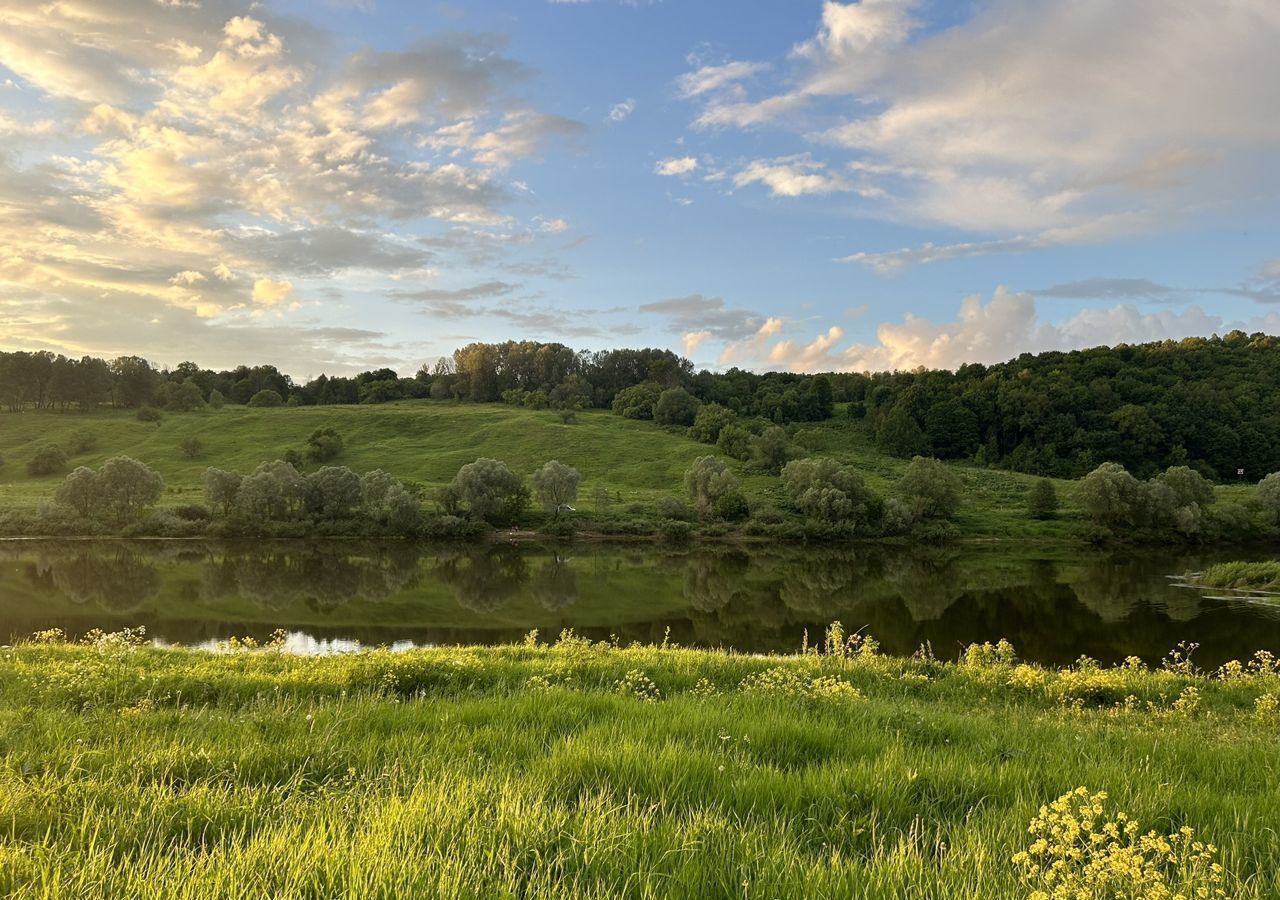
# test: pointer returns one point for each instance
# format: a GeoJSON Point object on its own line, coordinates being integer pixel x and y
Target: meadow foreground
{"type": "Point", "coordinates": [593, 770]}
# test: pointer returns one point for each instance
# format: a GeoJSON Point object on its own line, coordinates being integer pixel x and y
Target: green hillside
{"type": "Point", "coordinates": [427, 441]}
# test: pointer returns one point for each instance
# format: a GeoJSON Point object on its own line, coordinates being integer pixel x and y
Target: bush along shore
{"type": "Point", "coordinates": [579, 769]}
{"type": "Point", "coordinates": [811, 498]}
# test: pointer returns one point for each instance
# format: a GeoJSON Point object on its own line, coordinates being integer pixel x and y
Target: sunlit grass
{"type": "Point", "coordinates": [591, 770]}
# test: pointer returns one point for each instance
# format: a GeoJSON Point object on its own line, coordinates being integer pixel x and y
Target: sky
{"type": "Point", "coordinates": [337, 185]}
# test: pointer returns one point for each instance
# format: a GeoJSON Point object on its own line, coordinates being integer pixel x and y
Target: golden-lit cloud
{"type": "Point", "coordinates": [204, 162]}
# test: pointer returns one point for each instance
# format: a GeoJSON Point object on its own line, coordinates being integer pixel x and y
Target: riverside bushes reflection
{"type": "Point", "coordinates": [749, 597]}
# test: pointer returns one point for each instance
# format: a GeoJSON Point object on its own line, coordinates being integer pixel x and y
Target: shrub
{"type": "Point", "coordinates": [49, 459]}
{"type": "Point", "coordinates": [82, 441]}
{"type": "Point", "coordinates": [222, 488]}
{"type": "Point", "coordinates": [275, 492]}
{"type": "Point", "coordinates": [267, 398]}
{"type": "Point", "coordinates": [669, 507]}
{"type": "Point", "coordinates": [771, 450]}
{"type": "Point", "coordinates": [735, 442]}
{"type": "Point", "coordinates": [149, 414]}
{"type": "Point", "coordinates": [192, 448]}
{"type": "Point", "coordinates": [825, 490]}
{"type": "Point", "coordinates": [126, 487]}
{"type": "Point", "coordinates": [1268, 495]}
{"type": "Point", "coordinates": [186, 397]}
{"type": "Point", "coordinates": [673, 531]}
{"type": "Point", "coordinates": [491, 491]}
{"type": "Point", "coordinates": [932, 490]}
{"type": "Point", "coordinates": [1188, 486]}
{"type": "Point", "coordinates": [79, 491]}
{"type": "Point", "coordinates": [557, 486]}
{"type": "Point", "coordinates": [637, 401]}
{"type": "Point", "coordinates": [676, 408]}
{"type": "Point", "coordinates": [709, 422]}
{"type": "Point", "coordinates": [707, 480]}
{"type": "Point", "coordinates": [1111, 496]}
{"type": "Point", "coordinates": [333, 493]}
{"type": "Point", "coordinates": [216, 400]}
{"type": "Point", "coordinates": [733, 506]}
{"type": "Point", "coordinates": [324, 444]}
{"type": "Point", "coordinates": [1042, 500]}
{"type": "Point", "coordinates": [192, 512]}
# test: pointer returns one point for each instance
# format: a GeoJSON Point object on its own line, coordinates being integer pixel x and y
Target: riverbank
{"type": "Point", "coordinates": [592, 770]}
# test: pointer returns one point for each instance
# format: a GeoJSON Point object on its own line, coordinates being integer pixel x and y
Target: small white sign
{"type": "Point", "coordinates": [1239, 471]}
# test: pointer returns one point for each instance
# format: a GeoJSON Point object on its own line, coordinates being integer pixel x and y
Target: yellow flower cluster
{"type": "Point", "coordinates": [637, 684]}
{"type": "Point", "coordinates": [1267, 708]}
{"type": "Point", "coordinates": [782, 682]}
{"type": "Point", "coordinates": [1078, 852]}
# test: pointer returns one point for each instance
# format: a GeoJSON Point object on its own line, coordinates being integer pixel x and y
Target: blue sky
{"type": "Point", "coordinates": [802, 185]}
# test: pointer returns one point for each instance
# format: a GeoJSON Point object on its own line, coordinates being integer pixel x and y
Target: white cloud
{"type": "Point", "coordinates": [792, 176]}
{"type": "Point", "coordinates": [710, 79]}
{"type": "Point", "coordinates": [1031, 122]}
{"type": "Point", "coordinates": [676, 165]}
{"type": "Point", "coordinates": [620, 112]}
{"type": "Point", "coordinates": [809, 357]}
{"type": "Point", "coordinates": [751, 348]}
{"type": "Point", "coordinates": [551, 226]}
{"type": "Point", "coordinates": [188, 278]}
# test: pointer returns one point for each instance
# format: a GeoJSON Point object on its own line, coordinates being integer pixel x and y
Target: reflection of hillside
{"type": "Point", "coordinates": [322, 576]}
{"type": "Point", "coordinates": [119, 580]}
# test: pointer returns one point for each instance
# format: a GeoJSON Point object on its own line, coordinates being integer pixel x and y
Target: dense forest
{"type": "Point", "coordinates": [1210, 403]}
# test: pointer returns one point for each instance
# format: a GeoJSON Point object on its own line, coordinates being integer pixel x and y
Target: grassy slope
{"type": "Point", "coordinates": [523, 771]}
{"type": "Point", "coordinates": [416, 441]}
{"type": "Point", "coordinates": [427, 442]}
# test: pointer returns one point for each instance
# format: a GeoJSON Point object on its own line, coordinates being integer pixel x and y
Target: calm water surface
{"type": "Point", "coordinates": [341, 596]}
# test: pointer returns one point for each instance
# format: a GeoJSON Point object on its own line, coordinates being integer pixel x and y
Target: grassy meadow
{"type": "Point", "coordinates": [426, 442]}
{"type": "Point", "coordinates": [593, 770]}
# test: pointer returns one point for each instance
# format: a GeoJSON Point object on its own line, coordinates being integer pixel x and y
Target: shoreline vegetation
{"type": "Point", "coordinates": [821, 485]}
{"type": "Point", "coordinates": [573, 768]}
{"type": "Point", "coordinates": [1262, 578]}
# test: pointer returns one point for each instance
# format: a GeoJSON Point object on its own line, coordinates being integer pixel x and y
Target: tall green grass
{"type": "Point", "coordinates": [592, 770]}
{"type": "Point", "coordinates": [1254, 576]}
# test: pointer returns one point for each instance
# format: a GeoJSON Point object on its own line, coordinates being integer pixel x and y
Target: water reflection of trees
{"type": "Point", "coordinates": [119, 579]}
{"type": "Point", "coordinates": [555, 583]}
{"type": "Point", "coordinates": [712, 580]}
{"type": "Point", "coordinates": [754, 598]}
{"type": "Point", "coordinates": [484, 581]}
{"type": "Point", "coordinates": [1113, 587]}
{"type": "Point", "coordinates": [323, 576]}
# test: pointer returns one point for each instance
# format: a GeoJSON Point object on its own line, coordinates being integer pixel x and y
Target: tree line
{"type": "Point", "coordinates": [527, 373]}
{"type": "Point", "coordinates": [1205, 403]}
